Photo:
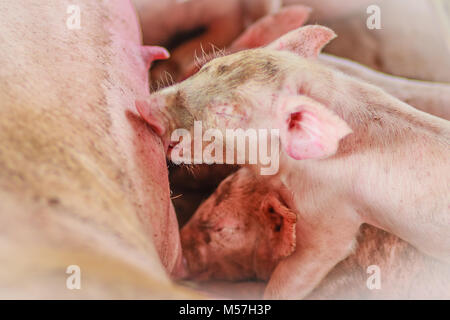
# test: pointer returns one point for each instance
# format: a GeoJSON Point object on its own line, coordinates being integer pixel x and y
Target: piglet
{"type": "Point", "coordinates": [241, 232]}
{"type": "Point", "coordinates": [244, 230]}
{"type": "Point", "coordinates": [350, 152]}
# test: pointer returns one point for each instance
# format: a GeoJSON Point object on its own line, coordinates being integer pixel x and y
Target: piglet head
{"type": "Point", "coordinates": [241, 232]}
{"type": "Point", "coordinates": [164, 114]}
{"type": "Point", "coordinates": [276, 87]}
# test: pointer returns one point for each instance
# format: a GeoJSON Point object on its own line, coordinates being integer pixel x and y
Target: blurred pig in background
{"type": "Point", "coordinates": [190, 27]}
{"type": "Point", "coordinates": [413, 41]}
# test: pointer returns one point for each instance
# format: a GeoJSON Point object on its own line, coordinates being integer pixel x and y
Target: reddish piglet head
{"type": "Point", "coordinates": [241, 232]}
{"type": "Point", "coordinates": [267, 88]}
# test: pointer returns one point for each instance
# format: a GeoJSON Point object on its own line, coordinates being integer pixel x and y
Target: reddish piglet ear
{"type": "Point", "coordinates": [282, 222]}
{"type": "Point", "coordinates": [152, 53]}
{"type": "Point", "coordinates": [269, 28]}
{"type": "Point", "coordinates": [306, 41]}
{"type": "Point", "coordinates": [309, 130]}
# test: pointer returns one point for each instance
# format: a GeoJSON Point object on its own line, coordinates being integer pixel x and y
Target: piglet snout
{"type": "Point", "coordinates": [149, 112]}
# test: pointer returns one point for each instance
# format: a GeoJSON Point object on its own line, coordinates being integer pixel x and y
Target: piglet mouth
{"type": "Point", "coordinates": [170, 146]}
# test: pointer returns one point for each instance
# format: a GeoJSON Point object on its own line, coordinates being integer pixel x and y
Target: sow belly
{"type": "Point", "coordinates": [83, 180]}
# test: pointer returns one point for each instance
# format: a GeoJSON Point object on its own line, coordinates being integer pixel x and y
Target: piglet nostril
{"type": "Point", "coordinates": [145, 111]}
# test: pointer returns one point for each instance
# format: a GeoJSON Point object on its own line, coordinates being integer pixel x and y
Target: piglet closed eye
{"type": "Point", "coordinates": [241, 232]}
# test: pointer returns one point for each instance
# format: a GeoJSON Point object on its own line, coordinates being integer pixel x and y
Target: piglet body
{"type": "Point", "coordinates": [351, 153]}
{"type": "Point", "coordinates": [235, 236]}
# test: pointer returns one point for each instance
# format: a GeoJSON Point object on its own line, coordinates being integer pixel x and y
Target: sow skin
{"type": "Point", "coordinates": [83, 181]}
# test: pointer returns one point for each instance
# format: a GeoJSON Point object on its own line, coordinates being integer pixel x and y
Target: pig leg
{"type": "Point", "coordinates": [322, 242]}
{"type": "Point", "coordinates": [298, 275]}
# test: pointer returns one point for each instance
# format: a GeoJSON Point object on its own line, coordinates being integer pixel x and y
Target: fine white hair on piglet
{"type": "Point", "coordinates": [216, 52]}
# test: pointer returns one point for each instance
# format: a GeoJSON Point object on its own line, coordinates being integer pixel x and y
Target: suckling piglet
{"type": "Point", "coordinates": [350, 152]}
{"type": "Point", "coordinates": [243, 230]}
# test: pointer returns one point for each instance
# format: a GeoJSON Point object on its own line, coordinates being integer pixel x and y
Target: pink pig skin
{"type": "Point", "coordinates": [83, 180]}
{"type": "Point", "coordinates": [431, 97]}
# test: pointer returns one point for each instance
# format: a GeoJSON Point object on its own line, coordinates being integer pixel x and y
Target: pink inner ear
{"type": "Point", "coordinates": [152, 53]}
{"type": "Point", "coordinates": [309, 129]}
{"type": "Point", "coordinates": [304, 137]}
{"type": "Point", "coordinates": [294, 120]}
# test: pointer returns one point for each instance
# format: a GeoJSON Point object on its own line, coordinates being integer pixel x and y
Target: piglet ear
{"type": "Point", "coordinates": [269, 28]}
{"type": "Point", "coordinates": [306, 41]}
{"type": "Point", "coordinates": [152, 53]}
{"type": "Point", "coordinates": [282, 223]}
{"type": "Point", "coordinates": [308, 129]}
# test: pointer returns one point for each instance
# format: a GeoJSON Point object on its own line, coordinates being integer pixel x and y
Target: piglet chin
{"type": "Point", "coordinates": [180, 271]}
